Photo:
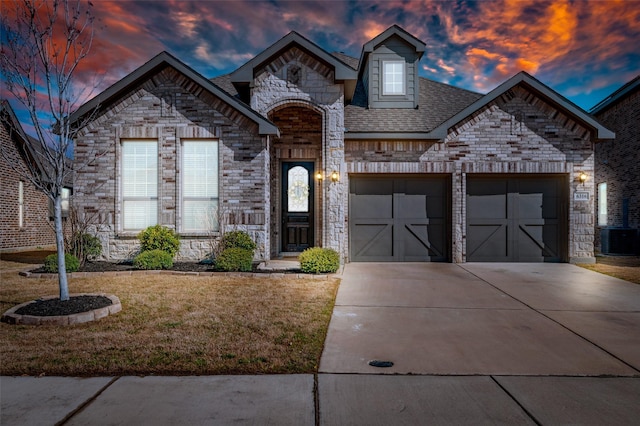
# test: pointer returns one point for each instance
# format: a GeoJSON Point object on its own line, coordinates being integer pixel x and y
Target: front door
{"type": "Point", "coordinates": [297, 206]}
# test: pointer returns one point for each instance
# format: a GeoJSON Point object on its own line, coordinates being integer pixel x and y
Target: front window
{"type": "Point", "coordinates": [199, 185]}
{"type": "Point", "coordinates": [65, 194]}
{"type": "Point", "coordinates": [393, 78]}
{"type": "Point", "coordinates": [139, 184]}
{"type": "Point", "coordinates": [602, 204]}
{"type": "Point", "coordinates": [21, 204]}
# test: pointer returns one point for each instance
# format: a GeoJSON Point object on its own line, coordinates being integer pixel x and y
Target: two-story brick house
{"type": "Point", "coordinates": [617, 164]}
{"type": "Point", "coordinates": [303, 148]}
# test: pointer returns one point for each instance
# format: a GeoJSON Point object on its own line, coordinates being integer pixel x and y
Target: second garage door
{"type": "Point", "coordinates": [399, 219]}
{"type": "Point", "coordinates": [516, 219]}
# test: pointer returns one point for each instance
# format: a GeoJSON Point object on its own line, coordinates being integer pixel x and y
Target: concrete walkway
{"type": "Point", "coordinates": [470, 344]}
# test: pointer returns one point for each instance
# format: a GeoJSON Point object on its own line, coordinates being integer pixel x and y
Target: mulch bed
{"type": "Point", "coordinates": [55, 307]}
{"type": "Point", "coordinates": [101, 266]}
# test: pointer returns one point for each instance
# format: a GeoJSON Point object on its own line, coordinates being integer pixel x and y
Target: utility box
{"type": "Point", "coordinates": [619, 241]}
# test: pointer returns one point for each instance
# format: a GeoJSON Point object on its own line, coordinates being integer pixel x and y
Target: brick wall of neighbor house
{"type": "Point", "coordinates": [36, 231]}
{"type": "Point", "coordinates": [166, 109]}
{"type": "Point", "coordinates": [517, 133]}
{"type": "Point", "coordinates": [618, 162]}
{"type": "Point", "coordinates": [315, 90]}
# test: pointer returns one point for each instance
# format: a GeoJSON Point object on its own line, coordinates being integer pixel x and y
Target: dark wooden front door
{"type": "Point", "coordinates": [297, 206]}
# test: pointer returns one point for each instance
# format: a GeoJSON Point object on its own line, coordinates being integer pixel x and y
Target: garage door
{"type": "Point", "coordinates": [519, 219]}
{"type": "Point", "coordinates": [399, 219]}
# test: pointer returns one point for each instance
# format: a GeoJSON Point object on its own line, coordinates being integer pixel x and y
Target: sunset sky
{"type": "Point", "coordinates": [582, 49]}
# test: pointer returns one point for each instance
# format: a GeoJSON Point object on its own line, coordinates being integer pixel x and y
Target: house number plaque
{"type": "Point", "coordinates": [581, 196]}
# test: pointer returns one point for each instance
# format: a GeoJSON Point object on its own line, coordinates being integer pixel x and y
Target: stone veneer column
{"type": "Point", "coordinates": [317, 90]}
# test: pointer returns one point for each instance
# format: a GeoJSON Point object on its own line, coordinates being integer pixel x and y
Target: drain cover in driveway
{"type": "Point", "coordinates": [378, 363]}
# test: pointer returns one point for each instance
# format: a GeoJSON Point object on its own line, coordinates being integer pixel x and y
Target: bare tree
{"type": "Point", "coordinates": [42, 44]}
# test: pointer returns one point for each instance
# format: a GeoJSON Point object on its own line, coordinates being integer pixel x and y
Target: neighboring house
{"type": "Point", "coordinates": [618, 172]}
{"type": "Point", "coordinates": [24, 210]}
{"type": "Point", "coordinates": [301, 148]}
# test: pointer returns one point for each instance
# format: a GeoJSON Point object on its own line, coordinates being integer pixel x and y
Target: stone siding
{"type": "Point", "coordinates": [618, 163]}
{"type": "Point", "coordinates": [169, 108]}
{"type": "Point", "coordinates": [36, 231]}
{"type": "Point", "coordinates": [314, 89]}
{"type": "Point", "coordinates": [518, 133]}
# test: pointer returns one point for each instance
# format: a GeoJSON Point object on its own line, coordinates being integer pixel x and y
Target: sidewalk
{"type": "Point", "coordinates": [471, 344]}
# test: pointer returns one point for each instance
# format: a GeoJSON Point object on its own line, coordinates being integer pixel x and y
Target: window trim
{"type": "Point", "coordinates": [124, 198]}
{"type": "Point", "coordinates": [215, 200]}
{"type": "Point", "coordinates": [603, 213]}
{"type": "Point", "coordinates": [66, 200]}
{"type": "Point", "coordinates": [403, 67]}
{"type": "Point", "coordinates": [20, 204]}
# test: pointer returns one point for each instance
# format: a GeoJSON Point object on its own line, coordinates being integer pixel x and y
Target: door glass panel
{"type": "Point", "coordinates": [298, 190]}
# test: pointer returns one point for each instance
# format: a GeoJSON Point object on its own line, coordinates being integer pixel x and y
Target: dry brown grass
{"type": "Point", "coordinates": [624, 267]}
{"type": "Point", "coordinates": [174, 325]}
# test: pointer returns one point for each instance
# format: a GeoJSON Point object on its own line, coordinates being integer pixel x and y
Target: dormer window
{"type": "Point", "coordinates": [393, 78]}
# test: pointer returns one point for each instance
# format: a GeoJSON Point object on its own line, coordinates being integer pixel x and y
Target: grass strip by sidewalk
{"type": "Point", "coordinates": [175, 325]}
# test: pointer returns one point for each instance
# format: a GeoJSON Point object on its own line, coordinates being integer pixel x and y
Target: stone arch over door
{"type": "Point", "coordinates": [302, 134]}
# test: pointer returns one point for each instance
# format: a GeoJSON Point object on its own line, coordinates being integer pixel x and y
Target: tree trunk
{"type": "Point", "coordinates": [62, 267]}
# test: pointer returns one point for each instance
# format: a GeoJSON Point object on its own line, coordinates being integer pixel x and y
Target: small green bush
{"type": "Point", "coordinates": [85, 246]}
{"type": "Point", "coordinates": [159, 237]}
{"type": "Point", "coordinates": [238, 239]}
{"type": "Point", "coordinates": [316, 260]}
{"type": "Point", "coordinates": [72, 264]}
{"type": "Point", "coordinates": [235, 259]}
{"type": "Point", "coordinates": [153, 259]}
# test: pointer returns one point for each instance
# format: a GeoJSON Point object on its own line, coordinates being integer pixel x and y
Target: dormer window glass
{"type": "Point", "coordinates": [393, 78]}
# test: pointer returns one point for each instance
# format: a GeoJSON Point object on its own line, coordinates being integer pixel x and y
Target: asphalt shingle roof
{"type": "Point", "coordinates": [437, 103]}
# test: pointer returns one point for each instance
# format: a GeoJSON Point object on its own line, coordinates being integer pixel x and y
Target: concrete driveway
{"type": "Point", "coordinates": [481, 344]}
{"type": "Point", "coordinates": [483, 319]}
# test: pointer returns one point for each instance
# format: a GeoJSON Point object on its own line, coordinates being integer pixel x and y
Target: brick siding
{"type": "Point", "coordinates": [618, 162]}
{"type": "Point", "coordinates": [169, 108]}
{"type": "Point", "coordinates": [37, 231]}
{"type": "Point", "coordinates": [517, 133]}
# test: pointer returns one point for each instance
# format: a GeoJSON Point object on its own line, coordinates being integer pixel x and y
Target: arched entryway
{"type": "Point", "coordinates": [296, 196]}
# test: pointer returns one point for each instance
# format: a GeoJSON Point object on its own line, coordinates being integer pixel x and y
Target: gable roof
{"type": "Point", "coordinates": [393, 30]}
{"type": "Point", "coordinates": [8, 116]}
{"type": "Point", "coordinates": [548, 94]}
{"type": "Point", "coordinates": [163, 59]}
{"type": "Point", "coordinates": [245, 73]}
{"type": "Point", "coordinates": [616, 96]}
{"type": "Point", "coordinates": [29, 148]}
{"type": "Point", "coordinates": [243, 76]}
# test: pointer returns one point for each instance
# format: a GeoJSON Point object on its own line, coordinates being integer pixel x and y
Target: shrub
{"type": "Point", "coordinates": [159, 237]}
{"type": "Point", "coordinates": [72, 264]}
{"type": "Point", "coordinates": [318, 260]}
{"type": "Point", "coordinates": [153, 259]}
{"type": "Point", "coordinates": [235, 259]}
{"type": "Point", "coordinates": [85, 246]}
{"type": "Point", "coordinates": [238, 239]}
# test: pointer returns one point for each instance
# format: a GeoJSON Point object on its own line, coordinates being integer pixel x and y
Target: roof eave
{"type": "Point", "coordinates": [245, 74]}
{"type": "Point", "coordinates": [390, 135]}
{"type": "Point", "coordinates": [265, 127]}
{"type": "Point", "coordinates": [601, 132]}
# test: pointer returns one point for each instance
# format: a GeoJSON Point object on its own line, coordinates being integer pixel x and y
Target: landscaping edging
{"type": "Point", "coordinates": [29, 274]}
{"type": "Point", "coordinates": [11, 317]}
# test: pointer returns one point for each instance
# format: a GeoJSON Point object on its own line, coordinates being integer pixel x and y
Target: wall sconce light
{"type": "Point", "coordinates": [582, 177]}
{"type": "Point", "coordinates": [318, 175]}
{"type": "Point", "coordinates": [335, 176]}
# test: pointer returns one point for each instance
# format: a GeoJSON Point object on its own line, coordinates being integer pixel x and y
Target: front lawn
{"type": "Point", "coordinates": [623, 267]}
{"type": "Point", "coordinates": [174, 325]}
